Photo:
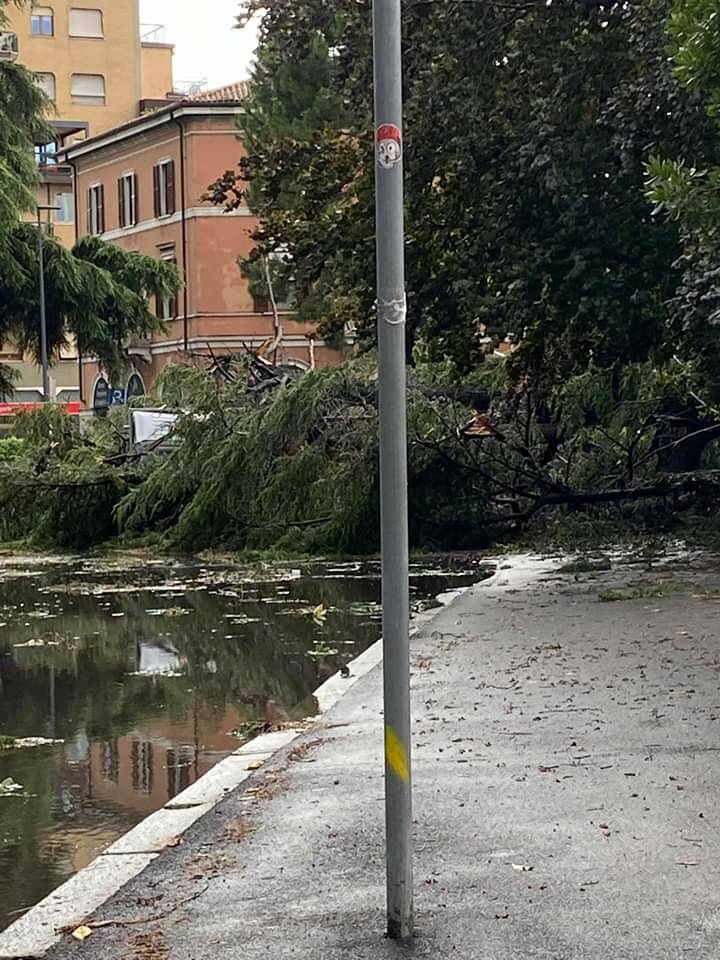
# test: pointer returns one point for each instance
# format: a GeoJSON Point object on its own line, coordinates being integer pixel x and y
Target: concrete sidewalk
{"type": "Point", "coordinates": [567, 780]}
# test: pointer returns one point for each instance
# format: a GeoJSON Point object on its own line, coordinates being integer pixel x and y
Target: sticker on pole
{"type": "Point", "coordinates": [388, 140]}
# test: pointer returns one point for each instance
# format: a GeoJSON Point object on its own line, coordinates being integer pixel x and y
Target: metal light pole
{"type": "Point", "coordinates": [391, 313]}
{"type": "Point", "coordinates": [43, 312]}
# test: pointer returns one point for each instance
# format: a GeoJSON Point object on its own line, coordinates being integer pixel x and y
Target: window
{"type": "Point", "coordinates": [42, 22]}
{"type": "Point", "coordinates": [46, 154]}
{"type": "Point", "coordinates": [88, 88]}
{"type": "Point", "coordinates": [135, 387]}
{"type": "Point", "coordinates": [127, 200]}
{"type": "Point", "coordinates": [86, 23]}
{"type": "Point", "coordinates": [164, 188]}
{"type": "Point", "coordinates": [96, 210]}
{"type": "Point", "coordinates": [65, 203]}
{"type": "Point", "coordinates": [46, 82]}
{"type": "Point", "coordinates": [179, 770]}
{"type": "Point", "coordinates": [141, 758]}
{"type": "Point", "coordinates": [166, 308]}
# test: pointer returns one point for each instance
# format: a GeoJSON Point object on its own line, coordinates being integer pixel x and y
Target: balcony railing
{"type": "Point", "coordinates": [153, 33]}
{"type": "Point", "coordinates": [9, 48]}
{"type": "Point", "coordinates": [189, 88]}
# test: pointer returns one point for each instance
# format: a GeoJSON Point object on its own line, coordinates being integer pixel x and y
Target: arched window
{"type": "Point", "coordinates": [135, 387]}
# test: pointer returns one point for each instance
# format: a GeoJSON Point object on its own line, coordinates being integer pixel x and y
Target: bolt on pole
{"type": "Point", "coordinates": [391, 314]}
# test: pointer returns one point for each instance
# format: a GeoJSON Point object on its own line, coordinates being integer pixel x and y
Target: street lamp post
{"type": "Point", "coordinates": [391, 315]}
{"type": "Point", "coordinates": [43, 310]}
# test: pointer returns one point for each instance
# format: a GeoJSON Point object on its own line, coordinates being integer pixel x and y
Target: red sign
{"type": "Point", "coordinates": [10, 409]}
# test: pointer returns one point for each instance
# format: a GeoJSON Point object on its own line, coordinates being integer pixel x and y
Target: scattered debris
{"type": "Point", "coordinates": [522, 867]}
{"type": "Point", "coordinates": [238, 829]}
{"type": "Point", "coordinates": [81, 933]}
{"type": "Point", "coordinates": [150, 946]}
{"type": "Point", "coordinates": [586, 565]}
{"type": "Point", "coordinates": [300, 752]}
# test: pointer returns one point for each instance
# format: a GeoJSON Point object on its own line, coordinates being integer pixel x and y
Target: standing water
{"type": "Point", "coordinates": [140, 677]}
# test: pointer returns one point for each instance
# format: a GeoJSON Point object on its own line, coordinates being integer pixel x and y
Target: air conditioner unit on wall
{"type": "Point", "coordinates": [8, 47]}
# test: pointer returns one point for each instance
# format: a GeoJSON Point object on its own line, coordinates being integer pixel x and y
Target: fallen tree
{"type": "Point", "coordinates": [293, 467]}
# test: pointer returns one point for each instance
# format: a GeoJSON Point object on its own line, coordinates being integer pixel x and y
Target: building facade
{"type": "Point", "coordinates": [141, 186]}
{"type": "Point", "coordinates": [98, 67]}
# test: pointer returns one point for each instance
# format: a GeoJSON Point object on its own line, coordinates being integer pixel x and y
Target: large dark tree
{"type": "Point", "coordinates": [527, 128]}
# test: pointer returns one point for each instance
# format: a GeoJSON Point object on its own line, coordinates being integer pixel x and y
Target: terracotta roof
{"type": "Point", "coordinates": [232, 92]}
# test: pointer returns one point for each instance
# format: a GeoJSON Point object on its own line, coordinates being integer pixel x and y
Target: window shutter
{"type": "Point", "coordinates": [101, 209]}
{"type": "Point", "coordinates": [88, 86]}
{"type": "Point", "coordinates": [46, 82]}
{"type": "Point", "coordinates": [136, 204]}
{"type": "Point", "coordinates": [170, 186]}
{"type": "Point", "coordinates": [89, 211]}
{"type": "Point", "coordinates": [122, 210]}
{"type": "Point", "coordinates": [156, 189]}
{"type": "Point", "coordinates": [86, 23]}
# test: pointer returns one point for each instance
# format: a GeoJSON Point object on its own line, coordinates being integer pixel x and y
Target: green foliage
{"type": "Point", "coordinates": [97, 293]}
{"type": "Point", "coordinates": [55, 490]}
{"type": "Point", "coordinates": [244, 475]}
{"type": "Point", "coordinates": [11, 448]}
{"type": "Point", "coordinates": [47, 429]}
{"type": "Point", "coordinates": [684, 185]}
{"type": "Point", "coordinates": [526, 132]}
{"type": "Point", "coordinates": [694, 27]}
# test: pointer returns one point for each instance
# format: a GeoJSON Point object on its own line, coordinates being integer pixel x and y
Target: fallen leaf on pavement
{"type": "Point", "coordinates": [81, 933]}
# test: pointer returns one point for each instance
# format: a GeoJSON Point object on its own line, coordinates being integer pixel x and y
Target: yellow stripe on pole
{"type": "Point", "coordinates": [396, 755]}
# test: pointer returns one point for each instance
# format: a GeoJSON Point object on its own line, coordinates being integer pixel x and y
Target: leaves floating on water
{"type": "Point", "coordinates": [322, 649]}
{"type": "Point", "coordinates": [9, 788]}
{"type": "Point", "coordinates": [318, 613]}
{"type": "Point", "coordinates": [19, 743]}
{"type": "Point", "coordinates": [169, 612]}
{"type": "Point", "coordinates": [38, 642]}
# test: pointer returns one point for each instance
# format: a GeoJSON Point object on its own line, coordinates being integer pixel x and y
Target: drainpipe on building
{"type": "Point", "coordinates": [183, 223]}
{"type": "Point", "coordinates": [76, 214]}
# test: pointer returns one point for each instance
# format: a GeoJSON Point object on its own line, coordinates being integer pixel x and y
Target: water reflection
{"type": "Point", "coordinates": [148, 675]}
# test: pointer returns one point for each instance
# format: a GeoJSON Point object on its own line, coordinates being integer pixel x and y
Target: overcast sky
{"type": "Point", "coordinates": [206, 44]}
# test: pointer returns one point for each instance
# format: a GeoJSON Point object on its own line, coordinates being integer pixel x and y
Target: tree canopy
{"type": "Point", "coordinates": [527, 129]}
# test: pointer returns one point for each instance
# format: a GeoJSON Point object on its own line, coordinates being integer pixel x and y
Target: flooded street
{"type": "Point", "coordinates": [146, 673]}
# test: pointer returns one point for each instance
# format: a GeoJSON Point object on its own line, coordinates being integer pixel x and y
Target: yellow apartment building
{"type": "Point", "coordinates": [100, 68]}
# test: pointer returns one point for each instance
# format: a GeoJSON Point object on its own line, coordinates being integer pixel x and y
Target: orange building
{"type": "Point", "coordinates": [141, 186]}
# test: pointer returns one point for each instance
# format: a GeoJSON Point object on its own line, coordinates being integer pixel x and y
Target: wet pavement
{"type": "Point", "coordinates": [147, 672]}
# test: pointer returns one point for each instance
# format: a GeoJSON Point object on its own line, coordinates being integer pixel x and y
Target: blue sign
{"type": "Point", "coordinates": [116, 396]}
